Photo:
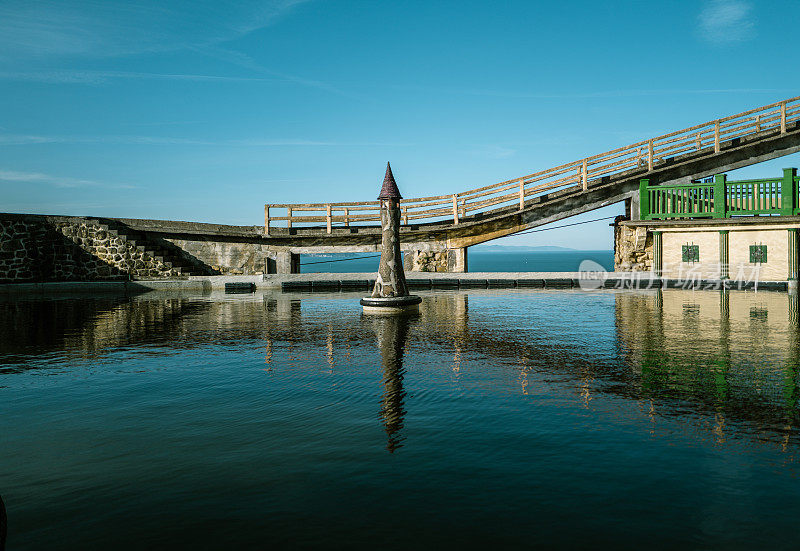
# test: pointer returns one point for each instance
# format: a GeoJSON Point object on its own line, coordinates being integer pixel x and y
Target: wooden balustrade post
{"type": "Point", "coordinates": [720, 207]}
{"type": "Point", "coordinates": [405, 216]}
{"type": "Point", "coordinates": [522, 194]}
{"type": "Point", "coordinates": [289, 216]}
{"type": "Point", "coordinates": [758, 123]}
{"type": "Point", "coordinates": [346, 218]}
{"type": "Point", "coordinates": [328, 217]}
{"type": "Point", "coordinates": [455, 208]}
{"type": "Point", "coordinates": [788, 192]}
{"type": "Point", "coordinates": [716, 137]}
{"type": "Point", "coordinates": [650, 155]}
{"type": "Point", "coordinates": [266, 219]}
{"type": "Point", "coordinates": [644, 199]}
{"type": "Point", "coordinates": [783, 117]}
{"type": "Point", "coordinates": [698, 142]}
{"type": "Point", "coordinates": [584, 176]}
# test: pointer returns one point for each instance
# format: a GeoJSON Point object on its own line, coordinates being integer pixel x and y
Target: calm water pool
{"type": "Point", "coordinates": [498, 420]}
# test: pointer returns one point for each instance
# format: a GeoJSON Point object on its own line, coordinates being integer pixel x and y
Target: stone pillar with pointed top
{"type": "Point", "coordinates": [390, 294]}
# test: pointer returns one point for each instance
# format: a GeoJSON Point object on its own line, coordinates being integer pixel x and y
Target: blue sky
{"type": "Point", "coordinates": [204, 111]}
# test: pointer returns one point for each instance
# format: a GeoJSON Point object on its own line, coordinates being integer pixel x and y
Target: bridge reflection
{"type": "Point", "coordinates": [729, 358]}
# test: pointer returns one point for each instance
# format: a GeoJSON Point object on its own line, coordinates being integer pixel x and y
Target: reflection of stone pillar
{"type": "Point", "coordinates": [392, 333]}
{"type": "Point", "coordinates": [390, 294]}
{"type": "Point", "coordinates": [791, 382]}
{"type": "Point", "coordinates": [724, 349]}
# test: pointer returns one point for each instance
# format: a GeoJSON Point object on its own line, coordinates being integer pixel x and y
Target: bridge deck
{"type": "Point", "coordinates": [489, 212]}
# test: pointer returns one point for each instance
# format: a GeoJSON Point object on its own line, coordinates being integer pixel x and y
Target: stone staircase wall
{"type": "Point", "coordinates": [37, 249]}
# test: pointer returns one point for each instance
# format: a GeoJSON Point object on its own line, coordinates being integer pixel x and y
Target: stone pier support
{"type": "Point", "coordinates": [793, 258]}
{"type": "Point", "coordinates": [632, 207]}
{"type": "Point", "coordinates": [658, 254]}
{"type": "Point", "coordinates": [724, 252]}
{"type": "Point", "coordinates": [287, 263]}
{"type": "Point", "coordinates": [457, 260]}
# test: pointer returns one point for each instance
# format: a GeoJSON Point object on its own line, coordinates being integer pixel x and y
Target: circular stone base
{"type": "Point", "coordinates": [391, 305]}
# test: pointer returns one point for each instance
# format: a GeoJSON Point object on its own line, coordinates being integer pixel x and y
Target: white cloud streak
{"type": "Point", "coordinates": [28, 139]}
{"type": "Point", "coordinates": [591, 95]}
{"type": "Point", "coordinates": [15, 177]}
{"type": "Point", "coordinates": [724, 22]}
{"type": "Point", "coordinates": [107, 28]}
{"type": "Point", "coordinates": [102, 77]}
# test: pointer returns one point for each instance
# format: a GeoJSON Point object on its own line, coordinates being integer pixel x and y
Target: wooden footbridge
{"type": "Point", "coordinates": [454, 222]}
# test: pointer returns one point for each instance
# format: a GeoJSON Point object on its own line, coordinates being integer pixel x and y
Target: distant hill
{"type": "Point", "coordinates": [518, 248]}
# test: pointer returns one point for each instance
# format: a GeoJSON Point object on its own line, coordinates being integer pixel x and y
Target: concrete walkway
{"type": "Point", "coordinates": [325, 282]}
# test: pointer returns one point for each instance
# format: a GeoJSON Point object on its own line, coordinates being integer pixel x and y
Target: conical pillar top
{"type": "Point", "coordinates": [389, 189]}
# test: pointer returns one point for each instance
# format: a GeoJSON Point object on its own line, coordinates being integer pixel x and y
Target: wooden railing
{"type": "Point", "coordinates": [583, 174]}
{"type": "Point", "coordinates": [721, 198]}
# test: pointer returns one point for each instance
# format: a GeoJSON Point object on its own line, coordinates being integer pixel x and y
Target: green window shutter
{"type": "Point", "coordinates": [690, 253]}
{"type": "Point", "coordinates": [758, 254]}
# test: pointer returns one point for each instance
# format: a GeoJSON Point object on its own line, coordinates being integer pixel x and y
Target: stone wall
{"type": "Point", "coordinates": [425, 261]}
{"type": "Point", "coordinates": [633, 249]}
{"type": "Point", "coordinates": [39, 249]}
{"type": "Point", "coordinates": [227, 258]}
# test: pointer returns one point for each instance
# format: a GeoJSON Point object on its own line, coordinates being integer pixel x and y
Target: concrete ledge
{"type": "Point", "coordinates": [510, 280]}
{"type": "Point", "coordinates": [364, 282]}
{"type": "Point", "coordinates": [99, 287]}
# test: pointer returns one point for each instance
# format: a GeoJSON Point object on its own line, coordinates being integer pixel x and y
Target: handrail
{"type": "Point", "coordinates": [582, 174]}
{"type": "Point", "coordinates": [721, 198]}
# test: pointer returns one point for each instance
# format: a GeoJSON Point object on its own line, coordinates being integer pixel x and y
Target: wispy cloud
{"type": "Point", "coordinates": [726, 22]}
{"type": "Point", "coordinates": [14, 177]}
{"type": "Point", "coordinates": [494, 152]}
{"type": "Point", "coordinates": [246, 62]}
{"type": "Point", "coordinates": [29, 139]}
{"type": "Point", "coordinates": [589, 95]}
{"type": "Point", "coordinates": [51, 30]}
{"type": "Point", "coordinates": [101, 28]}
{"type": "Point", "coordinates": [101, 77]}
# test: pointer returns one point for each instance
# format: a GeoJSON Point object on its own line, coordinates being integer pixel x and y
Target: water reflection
{"type": "Point", "coordinates": [731, 354]}
{"type": "Point", "coordinates": [392, 332]}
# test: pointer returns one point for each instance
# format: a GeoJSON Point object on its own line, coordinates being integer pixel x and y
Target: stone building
{"type": "Point", "coordinates": [714, 229]}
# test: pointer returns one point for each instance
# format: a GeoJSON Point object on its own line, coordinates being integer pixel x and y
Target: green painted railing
{"type": "Point", "coordinates": [721, 198]}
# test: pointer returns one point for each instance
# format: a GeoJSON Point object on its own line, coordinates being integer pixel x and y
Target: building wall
{"type": "Point", "coordinates": [777, 265]}
{"type": "Point", "coordinates": [741, 235]}
{"type": "Point", "coordinates": [675, 268]}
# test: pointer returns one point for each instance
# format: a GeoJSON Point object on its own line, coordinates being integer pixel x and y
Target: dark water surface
{"type": "Point", "coordinates": [527, 418]}
{"type": "Point", "coordinates": [479, 261]}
